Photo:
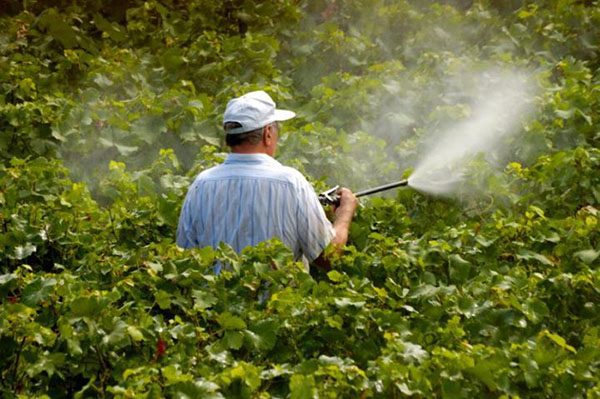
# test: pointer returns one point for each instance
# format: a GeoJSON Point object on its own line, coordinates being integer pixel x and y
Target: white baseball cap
{"type": "Point", "coordinates": [253, 111]}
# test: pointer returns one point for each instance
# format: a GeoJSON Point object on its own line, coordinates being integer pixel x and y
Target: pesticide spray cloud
{"type": "Point", "coordinates": [502, 103]}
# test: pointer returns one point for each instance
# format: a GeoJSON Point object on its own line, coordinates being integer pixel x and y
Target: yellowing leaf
{"type": "Point", "coordinates": [135, 334]}
{"type": "Point", "coordinates": [557, 339]}
{"type": "Point", "coordinates": [335, 276]}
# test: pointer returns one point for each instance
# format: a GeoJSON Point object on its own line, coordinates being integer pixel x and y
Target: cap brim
{"type": "Point", "coordinates": [283, 115]}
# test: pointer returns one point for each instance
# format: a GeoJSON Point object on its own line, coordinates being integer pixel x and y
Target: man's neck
{"type": "Point", "coordinates": [251, 149]}
{"type": "Point", "coordinates": [248, 150]}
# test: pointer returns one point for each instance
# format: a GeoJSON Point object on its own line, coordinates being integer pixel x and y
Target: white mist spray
{"type": "Point", "coordinates": [503, 105]}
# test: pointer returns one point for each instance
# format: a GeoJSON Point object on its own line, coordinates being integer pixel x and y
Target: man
{"type": "Point", "coordinates": [251, 197]}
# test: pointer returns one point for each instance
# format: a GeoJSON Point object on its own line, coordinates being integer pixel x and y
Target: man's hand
{"type": "Point", "coordinates": [348, 204]}
{"type": "Point", "coordinates": [341, 223]}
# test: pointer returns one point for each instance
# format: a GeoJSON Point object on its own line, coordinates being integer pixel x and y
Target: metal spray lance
{"type": "Point", "coordinates": [330, 198]}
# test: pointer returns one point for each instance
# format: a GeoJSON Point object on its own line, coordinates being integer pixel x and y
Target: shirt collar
{"type": "Point", "coordinates": [250, 159]}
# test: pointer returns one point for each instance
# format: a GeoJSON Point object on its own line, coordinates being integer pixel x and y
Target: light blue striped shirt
{"type": "Point", "coordinates": [251, 198]}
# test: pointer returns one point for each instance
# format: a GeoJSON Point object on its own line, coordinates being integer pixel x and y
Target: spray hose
{"type": "Point", "coordinates": [330, 197]}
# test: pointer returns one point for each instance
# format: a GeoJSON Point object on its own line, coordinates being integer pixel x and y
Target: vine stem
{"type": "Point", "coordinates": [17, 360]}
{"type": "Point", "coordinates": [2, 380]}
{"type": "Point", "coordinates": [100, 358]}
{"type": "Point", "coordinates": [112, 225]}
{"type": "Point", "coordinates": [102, 374]}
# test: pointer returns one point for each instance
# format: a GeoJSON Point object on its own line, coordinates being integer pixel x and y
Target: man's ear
{"type": "Point", "coordinates": [267, 135]}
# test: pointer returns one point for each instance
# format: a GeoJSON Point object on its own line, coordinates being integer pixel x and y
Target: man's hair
{"type": "Point", "coordinates": [251, 137]}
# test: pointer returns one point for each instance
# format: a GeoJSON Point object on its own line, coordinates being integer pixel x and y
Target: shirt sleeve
{"type": "Point", "coordinates": [315, 231]}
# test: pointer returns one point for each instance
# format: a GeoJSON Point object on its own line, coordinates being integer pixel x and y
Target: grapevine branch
{"type": "Point", "coordinates": [17, 360]}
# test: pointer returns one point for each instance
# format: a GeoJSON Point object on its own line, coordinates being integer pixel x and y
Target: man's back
{"type": "Point", "coordinates": [251, 198]}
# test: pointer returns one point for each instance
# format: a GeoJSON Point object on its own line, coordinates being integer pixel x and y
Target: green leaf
{"type": "Point", "coordinates": [102, 81]}
{"type": "Point", "coordinates": [58, 28]}
{"type": "Point", "coordinates": [124, 150]}
{"type": "Point", "coordinates": [146, 186]}
{"type": "Point", "coordinates": [530, 255]}
{"type": "Point", "coordinates": [168, 212]}
{"type": "Point", "coordinates": [335, 276]}
{"type": "Point", "coordinates": [7, 282]}
{"type": "Point", "coordinates": [135, 334]}
{"type": "Point", "coordinates": [172, 58]}
{"type": "Point", "coordinates": [552, 237]}
{"type": "Point", "coordinates": [460, 269]}
{"type": "Point", "coordinates": [264, 334]}
{"type": "Point", "coordinates": [335, 321]}
{"type": "Point", "coordinates": [74, 347]}
{"type": "Point", "coordinates": [203, 299]}
{"type": "Point", "coordinates": [535, 310]}
{"type": "Point", "coordinates": [173, 375]}
{"type": "Point", "coordinates": [531, 371]}
{"type": "Point", "coordinates": [163, 299]}
{"type": "Point", "coordinates": [485, 242]}
{"type": "Point", "coordinates": [424, 291]}
{"type": "Point", "coordinates": [230, 322]}
{"type": "Point", "coordinates": [129, 372]}
{"type": "Point", "coordinates": [587, 255]}
{"type": "Point", "coordinates": [114, 30]}
{"type": "Point", "coordinates": [331, 361]}
{"type": "Point", "coordinates": [233, 339]}
{"type": "Point", "coordinates": [403, 387]}
{"type": "Point", "coordinates": [246, 372]}
{"type": "Point", "coordinates": [85, 307]}
{"type": "Point", "coordinates": [23, 251]}
{"type": "Point", "coordinates": [38, 290]}
{"type": "Point", "coordinates": [344, 302]}
{"type": "Point", "coordinates": [486, 370]}
{"type": "Point", "coordinates": [308, 366]}
{"type": "Point", "coordinates": [117, 335]}
{"type": "Point", "coordinates": [197, 389]}
{"type": "Point", "coordinates": [302, 387]}
{"type": "Point", "coordinates": [557, 339]}
{"type": "Point", "coordinates": [46, 362]}
{"type": "Point", "coordinates": [565, 114]}
{"type": "Point", "coordinates": [148, 128]}
{"type": "Point", "coordinates": [413, 352]}
{"type": "Point", "coordinates": [450, 389]}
